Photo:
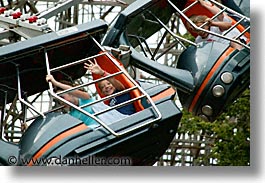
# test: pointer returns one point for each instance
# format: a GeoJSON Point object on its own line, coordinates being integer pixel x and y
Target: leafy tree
{"type": "Point", "coordinates": [229, 134]}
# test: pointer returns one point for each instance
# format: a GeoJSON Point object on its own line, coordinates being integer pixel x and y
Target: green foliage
{"type": "Point", "coordinates": [229, 134]}
{"type": "Point", "coordinates": [187, 36]}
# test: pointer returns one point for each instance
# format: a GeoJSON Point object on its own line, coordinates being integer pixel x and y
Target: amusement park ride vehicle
{"type": "Point", "coordinates": [208, 77]}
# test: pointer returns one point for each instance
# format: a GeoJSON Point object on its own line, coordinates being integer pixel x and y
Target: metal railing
{"type": "Point", "coordinates": [156, 112]}
{"type": "Point", "coordinates": [222, 10]}
{"type": "Point", "coordinates": [22, 100]}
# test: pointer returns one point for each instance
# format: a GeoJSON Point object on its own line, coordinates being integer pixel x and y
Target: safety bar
{"type": "Point", "coordinates": [89, 83]}
{"type": "Point", "coordinates": [190, 6]}
{"type": "Point", "coordinates": [120, 105]}
{"type": "Point", "coordinates": [213, 17]}
{"type": "Point", "coordinates": [229, 9]}
{"type": "Point", "coordinates": [181, 13]}
{"type": "Point", "coordinates": [157, 114]}
{"type": "Point", "coordinates": [75, 63]}
{"type": "Point", "coordinates": [110, 96]}
{"type": "Point", "coordinates": [20, 97]}
{"type": "Point", "coordinates": [237, 23]}
{"type": "Point", "coordinates": [3, 112]}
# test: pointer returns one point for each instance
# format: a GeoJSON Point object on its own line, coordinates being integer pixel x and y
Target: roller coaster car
{"type": "Point", "coordinates": [208, 76]}
{"type": "Point", "coordinates": [221, 73]}
{"type": "Point", "coordinates": [65, 137]}
{"type": "Point", "coordinates": [138, 139]}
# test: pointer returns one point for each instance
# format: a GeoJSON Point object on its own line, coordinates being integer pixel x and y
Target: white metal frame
{"type": "Point", "coordinates": [224, 8]}
{"type": "Point", "coordinates": [157, 114]}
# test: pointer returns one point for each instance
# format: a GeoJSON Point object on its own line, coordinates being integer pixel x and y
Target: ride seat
{"type": "Point", "coordinates": [197, 9]}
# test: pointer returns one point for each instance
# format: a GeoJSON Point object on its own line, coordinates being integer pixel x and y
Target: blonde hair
{"type": "Point", "coordinates": [100, 85]}
{"type": "Point", "coordinates": [198, 18]}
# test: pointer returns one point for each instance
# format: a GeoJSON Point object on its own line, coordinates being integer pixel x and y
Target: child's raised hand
{"type": "Point", "coordinates": [209, 21]}
{"type": "Point", "coordinates": [93, 67]}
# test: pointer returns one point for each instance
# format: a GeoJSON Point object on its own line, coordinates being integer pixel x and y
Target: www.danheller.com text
{"type": "Point", "coordinates": [72, 161]}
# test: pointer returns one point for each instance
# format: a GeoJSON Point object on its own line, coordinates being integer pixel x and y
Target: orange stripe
{"type": "Point", "coordinates": [56, 140]}
{"type": "Point", "coordinates": [164, 94]}
{"type": "Point", "coordinates": [208, 77]}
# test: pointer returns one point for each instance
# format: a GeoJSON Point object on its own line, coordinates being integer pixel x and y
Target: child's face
{"type": "Point", "coordinates": [106, 87]}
